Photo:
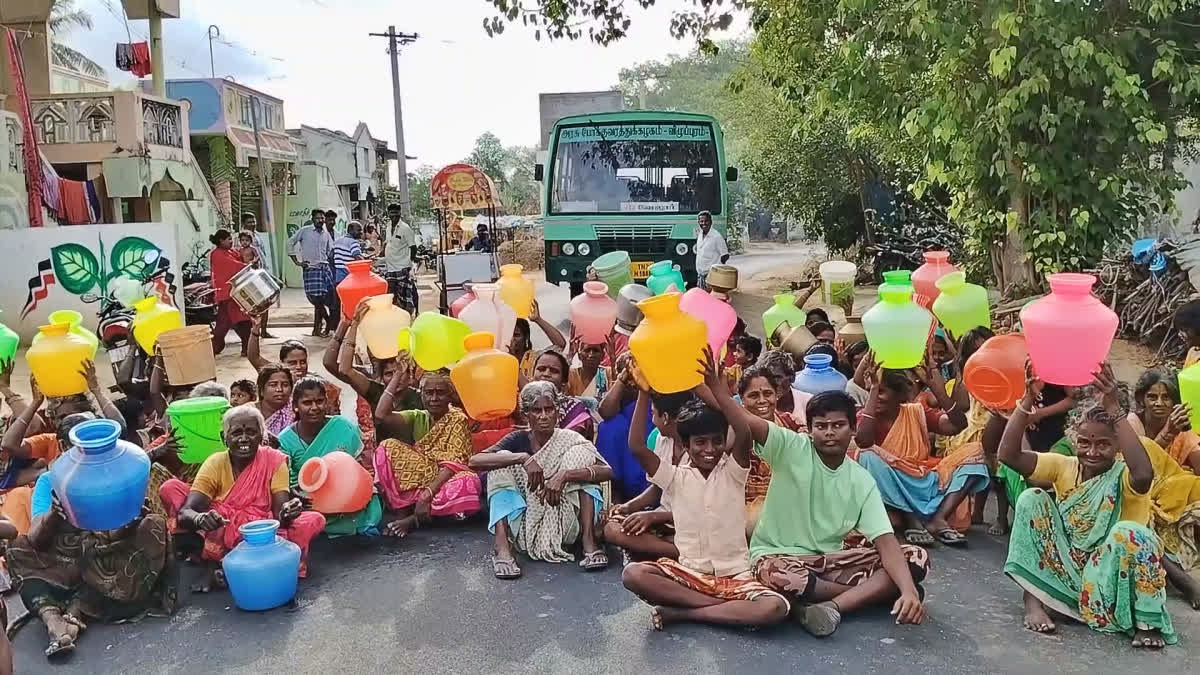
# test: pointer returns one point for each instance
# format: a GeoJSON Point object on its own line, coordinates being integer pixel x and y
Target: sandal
{"type": "Point", "coordinates": [505, 568]}
{"type": "Point", "coordinates": [918, 537]}
{"type": "Point", "coordinates": [594, 561]}
{"type": "Point", "coordinates": [951, 537]}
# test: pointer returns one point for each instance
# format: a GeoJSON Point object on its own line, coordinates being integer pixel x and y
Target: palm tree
{"type": "Point", "coordinates": [64, 16]}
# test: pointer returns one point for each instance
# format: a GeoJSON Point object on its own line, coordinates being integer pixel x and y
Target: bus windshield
{"type": "Point", "coordinates": [635, 167]}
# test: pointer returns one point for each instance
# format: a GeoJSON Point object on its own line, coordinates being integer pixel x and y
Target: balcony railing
{"type": "Point", "coordinates": [14, 143]}
{"type": "Point", "coordinates": [107, 117]}
{"type": "Point", "coordinates": [161, 123]}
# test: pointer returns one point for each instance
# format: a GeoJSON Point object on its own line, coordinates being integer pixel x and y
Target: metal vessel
{"type": "Point", "coordinates": [254, 290]}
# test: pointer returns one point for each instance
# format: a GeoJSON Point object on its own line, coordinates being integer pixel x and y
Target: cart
{"type": "Point", "coordinates": [456, 191]}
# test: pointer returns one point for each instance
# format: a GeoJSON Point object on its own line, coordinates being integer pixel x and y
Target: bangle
{"type": "Point", "coordinates": [867, 415]}
{"type": "Point", "coordinates": [389, 392]}
{"type": "Point", "coordinates": [1027, 412]}
{"type": "Point", "coordinates": [591, 474]}
{"type": "Point", "coordinates": [953, 405]}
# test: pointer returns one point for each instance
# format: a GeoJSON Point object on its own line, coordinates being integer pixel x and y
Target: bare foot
{"type": "Point", "coordinates": [61, 631]}
{"type": "Point", "coordinates": [1036, 618]}
{"type": "Point", "coordinates": [661, 617]}
{"type": "Point", "coordinates": [998, 529]}
{"type": "Point", "coordinates": [400, 527]}
{"type": "Point", "coordinates": [1191, 591]}
{"type": "Point", "coordinates": [820, 620]}
{"type": "Point", "coordinates": [213, 580]}
{"type": "Point", "coordinates": [656, 620]}
{"type": "Point", "coordinates": [1148, 639]}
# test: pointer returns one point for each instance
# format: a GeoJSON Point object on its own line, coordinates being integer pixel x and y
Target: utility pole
{"type": "Point", "coordinates": [395, 41]}
{"type": "Point", "coordinates": [214, 31]}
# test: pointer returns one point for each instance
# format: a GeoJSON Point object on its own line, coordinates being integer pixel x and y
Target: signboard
{"type": "Point", "coordinates": [462, 187]}
{"type": "Point", "coordinates": [649, 207]}
{"type": "Point", "coordinates": [636, 132]}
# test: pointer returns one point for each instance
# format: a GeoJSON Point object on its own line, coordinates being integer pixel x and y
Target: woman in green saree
{"type": "Point", "coordinates": [1087, 552]}
{"type": "Point", "coordinates": [315, 434]}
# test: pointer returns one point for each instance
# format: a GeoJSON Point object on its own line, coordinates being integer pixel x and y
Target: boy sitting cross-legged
{"type": "Point", "coordinates": [711, 582]}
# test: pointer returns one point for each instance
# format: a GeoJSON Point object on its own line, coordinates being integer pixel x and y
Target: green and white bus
{"type": "Point", "coordinates": [630, 181]}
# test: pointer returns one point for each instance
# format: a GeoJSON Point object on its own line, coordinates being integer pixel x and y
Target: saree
{"type": "Point", "coordinates": [403, 470]}
{"type": "Point", "coordinates": [338, 434]}
{"type": "Point", "coordinates": [110, 575]}
{"type": "Point", "coordinates": [1081, 560]}
{"type": "Point", "coordinates": [612, 442]}
{"type": "Point", "coordinates": [910, 480]}
{"type": "Point", "coordinates": [1015, 484]}
{"type": "Point", "coordinates": [540, 530]}
{"type": "Point", "coordinates": [280, 420]}
{"type": "Point", "coordinates": [1180, 449]}
{"type": "Point", "coordinates": [248, 500]}
{"type": "Point", "coordinates": [594, 388]}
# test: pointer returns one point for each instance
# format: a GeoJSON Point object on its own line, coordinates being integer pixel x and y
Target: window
{"type": "Point", "coordinates": [247, 110]}
{"type": "Point", "coordinates": [366, 162]}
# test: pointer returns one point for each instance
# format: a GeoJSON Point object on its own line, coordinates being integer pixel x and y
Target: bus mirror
{"type": "Point", "coordinates": [539, 171]}
{"type": "Point", "coordinates": [731, 174]}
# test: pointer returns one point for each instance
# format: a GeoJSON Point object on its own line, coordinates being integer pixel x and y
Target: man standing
{"type": "Point", "coordinates": [710, 248]}
{"type": "Point", "coordinates": [347, 248]}
{"type": "Point", "coordinates": [398, 255]}
{"type": "Point", "coordinates": [310, 248]}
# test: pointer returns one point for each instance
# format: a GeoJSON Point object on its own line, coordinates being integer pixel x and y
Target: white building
{"type": "Point", "coordinates": [357, 162]}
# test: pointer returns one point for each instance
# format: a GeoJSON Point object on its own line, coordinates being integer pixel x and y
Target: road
{"type": "Point", "coordinates": [429, 605]}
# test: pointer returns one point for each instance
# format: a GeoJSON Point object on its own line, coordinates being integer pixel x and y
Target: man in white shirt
{"type": "Point", "coordinates": [710, 247]}
{"type": "Point", "coordinates": [398, 254]}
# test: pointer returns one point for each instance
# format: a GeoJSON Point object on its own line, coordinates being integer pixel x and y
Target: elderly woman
{"type": "Point", "coordinates": [575, 413]}
{"type": "Point", "coordinates": [893, 440]}
{"type": "Point", "coordinates": [1086, 552]}
{"type": "Point", "coordinates": [547, 488]}
{"type": "Point", "coordinates": [316, 434]}
{"type": "Point", "coordinates": [428, 476]}
{"type": "Point", "coordinates": [66, 575]}
{"type": "Point", "coordinates": [294, 355]}
{"type": "Point", "coordinates": [247, 482]}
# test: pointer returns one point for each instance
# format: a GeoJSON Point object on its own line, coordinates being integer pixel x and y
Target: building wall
{"type": "Point", "coordinates": [207, 115]}
{"type": "Point", "coordinates": [335, 153]}
{"type": "Point", "coordinates": [314, 189]}
{"type": "Point", "coordinates": [14, 201]}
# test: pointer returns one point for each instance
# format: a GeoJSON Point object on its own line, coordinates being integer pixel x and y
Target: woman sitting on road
{"type": "Point", "coordinates": [294, 355]}
{"type": "Point", "coordinates": [591, 379]}
{"type": "Point", "coordinates": [575, 413]}
{"type": "Point", "coordinates": [426, 474]}
{"type": "Point", "coordinates": [1163, 417]}
{"type": "Point", "coordinates": [546, 488]}
{"type": "Point", "coordinates": [616, 413]}
{"type": "Point", "coordinates": [315, 434]}
{"type": "Point", "coordinates": [893, 440]}
{"type": "Point", "coordinates": [758, 396]}
{"type": "Point", "coordinates": [521, 345]}
{"type": "Point", "coordinates": [1086, 552]}
{"type": "Point", "coordinates": [247, 482]}
{"type": "Point", "coordinates": [66, 575]}
{"type": "Point", "coordinates": [275, 398]}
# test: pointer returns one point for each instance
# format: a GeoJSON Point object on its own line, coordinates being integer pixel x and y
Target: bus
{"type": "Point", "coordinates": [630, 181]}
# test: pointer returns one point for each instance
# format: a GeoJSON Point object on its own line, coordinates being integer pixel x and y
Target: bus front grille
{"type": "Point", "coordinates": [635, 240]}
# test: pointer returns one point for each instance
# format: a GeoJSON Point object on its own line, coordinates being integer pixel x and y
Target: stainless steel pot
{"type": "Point", "coordinates": [254, 290]}
{"type": "Point", "coordinates": [628, 314]}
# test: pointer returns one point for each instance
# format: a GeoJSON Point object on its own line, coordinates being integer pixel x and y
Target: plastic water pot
{"type": "Point", "coordinates": [486, 379]}
{"type": "Point", "coordinates": [434, 341]}
{"type": "Point", "coordinates": [1189, 391]}
{"type": "Point", "coordinates": [898, 277]}
{"type": "Point", "coordinates": [784, 309]}
{"type": "Point", "coordinates": [897, 328]}
{"type": "Point", "coordinates": [818, 375]}
{"type": "Point", "coordinates": [1069, 331]}
{"type": "Point", "coordinates": [461, 302]}
{"type": "Point", "coordinates": [489, 315]}
{"type": "Point", "coordinates": [961, 306]}
{"type": "Point", "coordinates": [837, 283]}
{"type": "Point", "coordinates": [613, 269]}
{"type": "Point", "coordinates": [360, 282]}
{"type": "Point", "coordinates": [924, 279]}
{"type": "Point", "coordinates": [668, 344]}
{"type": "Point", "coordinates": [75, 319]}
{"type": "Point", "coordinates": [515, 290]}
{"type": "Point", "coordinates": [9, 342]}
{"type": "Point", "coordinates": [665, 277]}
{"type": "Point", "coordinates": [593, 313]}
{"type": "Point", "coordinates": [336, 482]}
{"type": "Point", "coordinates": [153, 319]}
{"type": "Point", "coordinates": [718, 316]}
{"type": "Point", "coordinates": [197, 425]}
{"type": "Point", "coordinates": [995, 373]}
{"type": "Point", "coordinates": [381, 326]}
{"type": "Point", "coordinates": [262, 570]}
{"type": "Point", "coordinates": [102, 479]}
{"type": "Point", "coordinates": [57, 359]}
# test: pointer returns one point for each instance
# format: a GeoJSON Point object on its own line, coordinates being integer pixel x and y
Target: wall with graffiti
{"type": "Point", "coordinates": [80, 267]}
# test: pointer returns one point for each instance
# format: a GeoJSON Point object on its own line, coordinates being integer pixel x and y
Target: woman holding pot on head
{"type": "Point", "coordinates": [294, 355]}
{"type": "Point", "coordinates": [224, 262]}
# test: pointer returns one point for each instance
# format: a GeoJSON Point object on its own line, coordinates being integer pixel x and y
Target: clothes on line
{"type": "Point", "coordinates": [134, 57]}
{"type": "Point", "coordinates": [75, 210]}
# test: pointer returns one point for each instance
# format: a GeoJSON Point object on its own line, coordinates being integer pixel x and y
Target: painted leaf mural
{"type": "Point", "coordinates": [131, 256]}
{"type": "Point", "coordinates": [76, 268]}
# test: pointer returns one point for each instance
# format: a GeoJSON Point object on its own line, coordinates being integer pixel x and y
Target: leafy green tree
{"type": "Point", "coordinates": [418, 192]}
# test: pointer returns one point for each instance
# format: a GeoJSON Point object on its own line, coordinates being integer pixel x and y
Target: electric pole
{"type": "Point", "coordinates": [395, 41]}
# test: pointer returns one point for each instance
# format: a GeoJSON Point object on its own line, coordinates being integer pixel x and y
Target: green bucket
{"type": "Point", "coordinates": [197, 425]}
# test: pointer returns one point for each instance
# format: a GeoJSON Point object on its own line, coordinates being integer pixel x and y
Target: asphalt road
{"type": "Point", "coordinates": [429, 605]}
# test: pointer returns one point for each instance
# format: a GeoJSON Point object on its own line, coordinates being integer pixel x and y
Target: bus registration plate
{"type": "Point", "coordinates": [640, 270]}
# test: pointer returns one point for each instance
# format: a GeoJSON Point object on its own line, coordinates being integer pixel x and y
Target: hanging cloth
{"type": "Point", "coordinates": [124, 57]}
{"type": "Point", "coordinates": [95, 212]}
{"type": "Point", "coordinates": [33, 177]}
{"type": "Point", "coordinates": [141, 59]}
{"type": "Point", "coordinates": [51, 193]}
{"type": "Point", "coordinates": [74, 201]}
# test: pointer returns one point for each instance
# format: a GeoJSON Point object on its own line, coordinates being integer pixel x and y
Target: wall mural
{"type": "Point", "coordinates": [133, 269]}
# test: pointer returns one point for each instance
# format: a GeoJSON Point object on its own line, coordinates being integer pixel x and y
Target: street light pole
{"type": "Point", "coordinates": [214, 31]}
{"type": "Point", "coordinates": [395, 41]}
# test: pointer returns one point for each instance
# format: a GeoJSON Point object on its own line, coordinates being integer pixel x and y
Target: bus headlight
{"type": "Point", "coordinates": [584, 249]}
{"type": "Point", "coordinates": [694, 248]}
{"type": "Point", "coordinates": [681, 248]}
{"type": "Point", "coordinates": [569, 248]}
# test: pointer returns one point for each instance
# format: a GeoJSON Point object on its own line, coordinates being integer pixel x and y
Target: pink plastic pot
{"type": "Point", "coordinates": [1069, 331]}
{"type": "Point", "coordinates": [458, 305]}
{"type": "Point", "coordinates": [594, 313]}
{"type": "Point", "coordinates": [718, 316]}
{"type": "Point", "coordinates": [336, 482]}
{"type": "Point", "coordinates": [924, 279]}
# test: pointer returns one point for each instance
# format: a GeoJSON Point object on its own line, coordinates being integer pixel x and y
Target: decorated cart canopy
{"type": "Point", "coordinates": [462, 187]}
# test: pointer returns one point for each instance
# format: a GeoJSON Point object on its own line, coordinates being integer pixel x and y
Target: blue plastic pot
{"type": "Point", "coordinates": [102, 479]}
{"type": "Point", "coordinates": [262, 571]}
{"type": "Point", "coordinates": [818, 375]}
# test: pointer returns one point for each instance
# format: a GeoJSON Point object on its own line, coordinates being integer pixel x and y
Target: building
{"type": "Point", "coordinates": [357, 163]}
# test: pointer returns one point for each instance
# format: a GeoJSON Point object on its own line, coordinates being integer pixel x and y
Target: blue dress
{"type": "Point", "coordinates": [612, 440]}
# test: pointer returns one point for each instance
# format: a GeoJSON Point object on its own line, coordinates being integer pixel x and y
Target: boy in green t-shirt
{"type": "Point", "coordinates": [817, 497]}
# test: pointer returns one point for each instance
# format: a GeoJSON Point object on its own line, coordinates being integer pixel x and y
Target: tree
{"type": "Point", "coordinates": [511, 169]}
{"type": "Point", "coordinates": [64, 17]}
{"type": "Point", "coordinates": [418, 192]}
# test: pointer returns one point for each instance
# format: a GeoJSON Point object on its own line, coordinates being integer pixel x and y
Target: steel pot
{"type": "Point", "coordinates": [628, 314]}
{"type": "Point", "coordinates": [254, 290]}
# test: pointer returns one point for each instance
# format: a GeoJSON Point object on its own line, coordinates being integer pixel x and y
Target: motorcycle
{"type": "Point", "coordinates": [199, 307]}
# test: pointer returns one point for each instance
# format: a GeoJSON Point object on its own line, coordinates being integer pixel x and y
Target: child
{"type": "Point", "coordinates": [712, 582]}
{"type": "Point", "coordinates": [746, 350]}
{"type": "Point", "coordinates": [642, 534]}
{"type": "Point", "coordinates": [817, 497]}
{"type": "Point", "coordinates": [246, 248]}
{"type": "Point", "coordinates": [242, 392]}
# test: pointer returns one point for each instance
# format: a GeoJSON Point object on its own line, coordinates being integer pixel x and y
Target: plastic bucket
{"type": "Point", "coordinates": [837, 284]}
{"type": "Point", "coordinates": [197, 425]}
{"type": "Point", "coordinates": [613, 269]}
{"type": "Point", "coordinates": [187, 355]}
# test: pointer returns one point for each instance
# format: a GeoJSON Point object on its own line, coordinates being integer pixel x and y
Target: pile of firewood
{"type": "Point", "coordinates": [1147, 303]}
{"type": "Point", "coordinates": [525, 247]}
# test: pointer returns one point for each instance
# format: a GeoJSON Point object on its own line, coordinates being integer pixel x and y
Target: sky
{"type": "Point", "coordinates": [456, 82]}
